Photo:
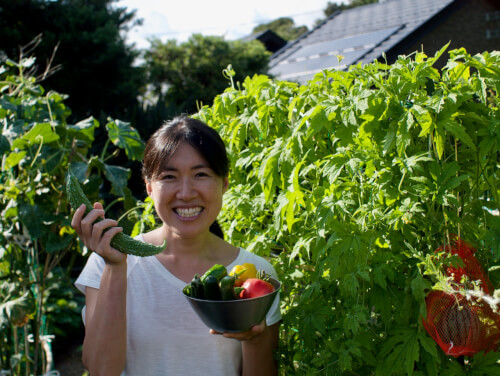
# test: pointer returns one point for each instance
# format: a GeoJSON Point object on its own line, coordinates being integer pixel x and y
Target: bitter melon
{"type": "Point", "coordinates": [120, 241]}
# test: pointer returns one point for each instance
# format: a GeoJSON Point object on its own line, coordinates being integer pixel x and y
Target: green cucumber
{"type": "Point", "coordinates": [120, 241]}
{"type": "Point", "coordinates": [218, 271]}
{"type": "Point", "coordinates": [197, 288]}
{"type": "Point", "coordinates": [211, 289]}
{"type": "Point", "coordinates": [227, 287]}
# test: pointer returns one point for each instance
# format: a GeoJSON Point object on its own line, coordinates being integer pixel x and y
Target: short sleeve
{"type": "Point", "coordinates": [91, 273]}
{"type": "Point", "coordinates": [93, 269]}
{"type": "Point", "coordinates": [274, 314]}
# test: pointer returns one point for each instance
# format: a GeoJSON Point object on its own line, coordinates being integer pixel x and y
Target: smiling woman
{"type": "Point", "coordinates": [187, 187]}
{"type": "Point", "coordinates": [137, 320]}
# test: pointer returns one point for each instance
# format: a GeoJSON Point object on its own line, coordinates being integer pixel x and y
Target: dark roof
{"type": "Point", "coordinates": [272, 41]}
{"type": "Point", "coordinates": [360, 34]}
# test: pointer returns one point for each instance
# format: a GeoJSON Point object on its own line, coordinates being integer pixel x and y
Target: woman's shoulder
{"type": "Point", "coordinates": [247, 256]}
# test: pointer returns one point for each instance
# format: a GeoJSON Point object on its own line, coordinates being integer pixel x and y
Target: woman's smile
{"type": "Point", "coordinates": [188, 212]}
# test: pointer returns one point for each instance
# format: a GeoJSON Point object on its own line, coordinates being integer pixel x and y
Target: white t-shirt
{"type": "Point", "coordinates": [164, 334]}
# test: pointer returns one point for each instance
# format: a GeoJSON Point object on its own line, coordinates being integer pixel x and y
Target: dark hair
{"type": "Point", "coordinates": [165, 141]}
{"type": "Point", "coordinates": [162, 145]}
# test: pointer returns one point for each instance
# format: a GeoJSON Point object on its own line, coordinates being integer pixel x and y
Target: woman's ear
{"type": "Point", "coordinates": [149, 188]}
{"type": "Point", "coordinates": [225, 184]}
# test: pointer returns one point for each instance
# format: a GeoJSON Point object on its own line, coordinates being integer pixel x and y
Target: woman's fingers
{"type": "Point", "coordinates": [94, 229]}
{"type": "Point", "coordinates": [254, 332]}
{"type": "Point", "coordinates": [87, 222]}
{"type": "Point", "coordinates": [96, 232]}
{"type": "Point", "coordinates": [100, 237]}
{"type": "Point", "coordinates": [77, 218]}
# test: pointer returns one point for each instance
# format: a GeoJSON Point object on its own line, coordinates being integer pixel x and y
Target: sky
{"type": "Point", "coordinates": [233, 19]}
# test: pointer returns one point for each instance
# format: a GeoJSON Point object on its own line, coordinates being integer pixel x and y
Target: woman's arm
{"type": "Point", "coordinates": [258, 352]}
{"type": "Point", "coordinates": [105, 342]}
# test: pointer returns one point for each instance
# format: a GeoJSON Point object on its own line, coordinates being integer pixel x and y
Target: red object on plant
{"type": "Point", "coordinates": [462, 325]}
{"type": "Point", "coordinates": [254, 287]}
{"type": "Point", "coordinates": [472, 268]}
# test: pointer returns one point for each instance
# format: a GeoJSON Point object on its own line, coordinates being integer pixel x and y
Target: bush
{"type": "Point", "coordinates": [38, 247]}
{"type": "Point", "coordinates": [350, 183]}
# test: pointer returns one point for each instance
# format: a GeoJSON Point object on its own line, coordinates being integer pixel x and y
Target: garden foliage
{"type": "Point", "coordinates": [352, 182]}
{"type": "Point", "coordinates": [38, 247]}
{"type": "Point", "coordinates": [349, 184]}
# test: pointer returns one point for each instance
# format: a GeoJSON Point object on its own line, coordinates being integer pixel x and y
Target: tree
{"type": "Point", "coordinates": [333, 7]}
{"type": "Point", "coordinates": [284, 27]}
{"type": "Point", "coordinates": [180, 75]}
{"type": "Point", "coordinates": [95, 66]}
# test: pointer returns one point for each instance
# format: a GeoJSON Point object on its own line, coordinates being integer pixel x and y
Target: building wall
{"type": "Point", "coordinates": [468, 26]}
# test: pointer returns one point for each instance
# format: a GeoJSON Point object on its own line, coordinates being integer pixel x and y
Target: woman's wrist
{"type": "Point", "coordinates": [116, 266]}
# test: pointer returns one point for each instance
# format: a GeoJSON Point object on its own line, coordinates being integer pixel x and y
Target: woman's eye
{"type": "Point", "coordinates": [202, 174]}
{"type": "Point", "coordinates": [167, 177]}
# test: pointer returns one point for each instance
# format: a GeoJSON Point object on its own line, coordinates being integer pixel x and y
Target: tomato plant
{"type": "Point", "coordinates": [348, 184]}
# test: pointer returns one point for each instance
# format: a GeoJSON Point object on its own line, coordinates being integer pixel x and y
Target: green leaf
{"type": "Point", "coordinates": [486, 364]}
{"type": "Point", "coordinates": [439, 140]}
{"type": "Point", "coordinates": [390, 138]}
{"type": "Point", "coordinates": [400, 352]}
{"type": "Point", "coordinates": [40, 133]}
{"type": "Point", "coordinates": [79, 169]}
{"type": "Point", "coordinates": [84, 129]}
{"type": "Point", "coordinates": [27, 214]}
{"type": "Point", "coordinates": [428, 344]}
{"type": "Point", "coordinates": [419, 286]}
{"type": "Point", "coordinates": [126, 137]}
{"type": "Point", "coordinates": [458, 131]}
{"type": "Point", "coordinates": [4, 145]}
{"type": "Point", "coordinates": [268, 172]}
{"type": "Point", "coordinates": [14, 158]}
{"type": "Point", "coordinates": [57, 242]}
{"type": "Point", "coordinates": [118, 176]}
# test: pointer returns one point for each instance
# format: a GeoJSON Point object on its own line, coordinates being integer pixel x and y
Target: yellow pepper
{"type": "Point", "coordinates": [243, 272]}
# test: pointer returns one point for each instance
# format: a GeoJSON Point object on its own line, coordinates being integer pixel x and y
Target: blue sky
{"type": "Point", "coordinates": [167, 19]}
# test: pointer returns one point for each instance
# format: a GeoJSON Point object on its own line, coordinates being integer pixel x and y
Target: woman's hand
{"type": "Point", "coordinates": [251, 335]}
{"type": "Point", "coordinates": [97, 235]}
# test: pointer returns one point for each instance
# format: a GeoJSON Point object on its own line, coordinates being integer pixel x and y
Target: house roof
{"type": "Point", "coordinates": [272, 41]}
{"type": "Point", "coordinates": [360, 34]}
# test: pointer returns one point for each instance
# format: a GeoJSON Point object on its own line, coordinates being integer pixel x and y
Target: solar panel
{"type": "Point", "coordinates": [301, 70]}
{"type": "Point", "coordinates": [308, 59]}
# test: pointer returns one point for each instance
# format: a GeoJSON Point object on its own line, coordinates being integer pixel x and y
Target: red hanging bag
{"type": "Point", "coordinates": [463, 325]}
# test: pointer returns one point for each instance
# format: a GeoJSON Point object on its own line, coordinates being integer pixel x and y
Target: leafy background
{"type": "Point", "coordinates": [350, 183]}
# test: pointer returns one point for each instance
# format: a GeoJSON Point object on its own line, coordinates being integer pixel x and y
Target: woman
{"type": "Point", "coordinates": [137, 322]}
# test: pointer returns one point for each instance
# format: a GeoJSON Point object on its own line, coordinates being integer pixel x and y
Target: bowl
{"type": "Point", "coordinates": [234, 315]}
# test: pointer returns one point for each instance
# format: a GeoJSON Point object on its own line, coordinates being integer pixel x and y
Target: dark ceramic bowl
{"type": "Point", "coordinates": [234, 315]}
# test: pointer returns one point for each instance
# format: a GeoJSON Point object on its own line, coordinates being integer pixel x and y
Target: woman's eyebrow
{"type": "Point", "coordinates": [199, 166]}
{"type": "Point", "coordinates": [196, 167]}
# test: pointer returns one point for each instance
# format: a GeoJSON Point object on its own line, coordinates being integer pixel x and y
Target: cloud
{"type": "Point", "coordinates": [229, 18]}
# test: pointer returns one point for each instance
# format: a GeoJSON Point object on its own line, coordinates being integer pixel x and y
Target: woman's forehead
{"type": "Point", "coordinates": [185, 154]}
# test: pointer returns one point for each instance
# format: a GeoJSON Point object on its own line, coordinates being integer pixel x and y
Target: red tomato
{"type": "Point", "coordinates": [254, 287]}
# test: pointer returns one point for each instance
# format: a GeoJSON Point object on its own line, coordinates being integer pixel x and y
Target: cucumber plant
{"type": "Point", "coordinates": [38, 247]}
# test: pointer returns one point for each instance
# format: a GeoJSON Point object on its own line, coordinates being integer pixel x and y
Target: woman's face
{"type": "Point", "coordinates": [187, 193]}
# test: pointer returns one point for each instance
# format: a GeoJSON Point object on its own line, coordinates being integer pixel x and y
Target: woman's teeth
{"type": "Point", "coordinates": [186, 213]}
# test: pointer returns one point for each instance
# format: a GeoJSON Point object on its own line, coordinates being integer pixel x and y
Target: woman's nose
{"type": "Point", "coordinates": [186, 190]}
